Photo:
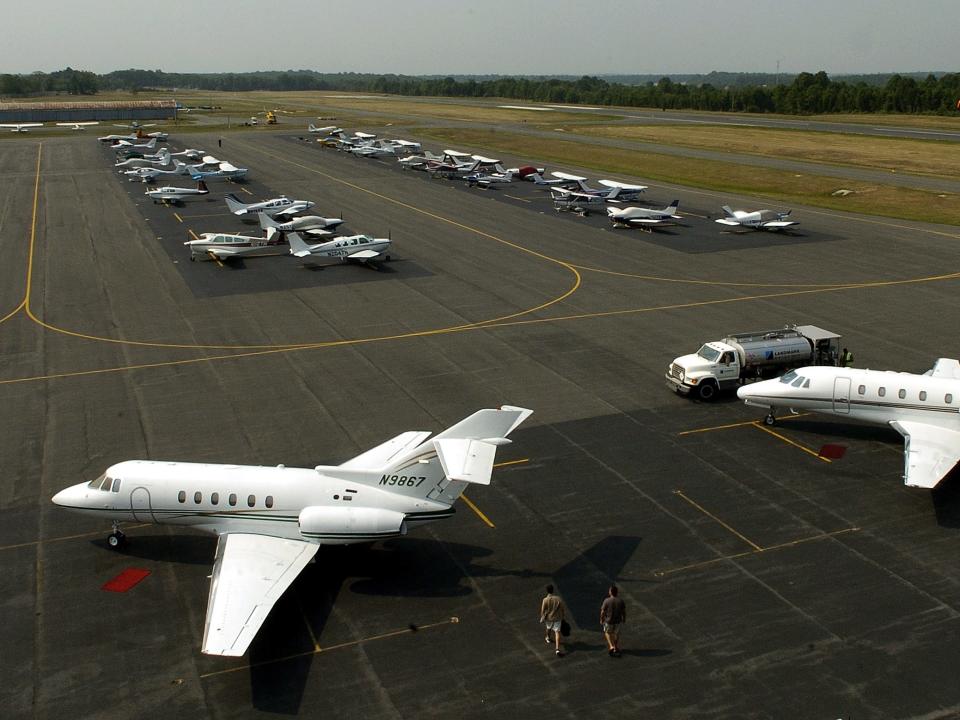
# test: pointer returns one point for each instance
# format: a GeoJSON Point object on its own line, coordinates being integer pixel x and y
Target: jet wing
{"type": "Point", "coordinates": [250, 574]}
{"type": "Point", "coordinates": [929, 453]}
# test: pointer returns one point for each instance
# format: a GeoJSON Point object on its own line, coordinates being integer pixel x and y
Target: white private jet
{"type": "Point", "coordinates": [176, 195]}
{"type": "Point", "coordinates": [310, 224]}
{"type": "Point", "coordinates": [355, 248]}
{"type": "Point", "coordinates": [20, 127]}
{"type": "Point", "coordinates": [281, 206]}
{"type": "Point", "coordinates": [224, 171]}
{"type": "Point", "coordinates": [757, 220]}
{"type": "Point", "coordinates": [923, 408]}
{"type": "Point", "coordinates": [270, 521]}
{"type": "Point", "coordinates": [644, 217]}
{"type": "Point", "coordinates": [225, 246]}
{"type": "Point", "coordinates": [78, 125]}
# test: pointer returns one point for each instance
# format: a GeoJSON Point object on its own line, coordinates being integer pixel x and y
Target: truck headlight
{"type": "Point", "coordinates": [692, 381]}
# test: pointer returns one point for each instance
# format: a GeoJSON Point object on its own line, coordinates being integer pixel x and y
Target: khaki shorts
{"type": "Point", "coordinates": [555, 626]}
{"type": "Point", "coordinates": [612, 629]}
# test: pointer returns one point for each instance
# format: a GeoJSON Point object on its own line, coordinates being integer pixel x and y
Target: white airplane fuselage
{"type": "Point", "coordinates": [245, 499]}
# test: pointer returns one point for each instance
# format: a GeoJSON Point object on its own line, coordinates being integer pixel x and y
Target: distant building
{"type": "Point", "coordinates": [11, 112]}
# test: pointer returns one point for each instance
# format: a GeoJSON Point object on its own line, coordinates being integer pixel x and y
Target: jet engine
{"type": "Point", "coordinates": [345, 524]}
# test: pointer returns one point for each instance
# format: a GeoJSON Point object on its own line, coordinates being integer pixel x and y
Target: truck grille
{"type": "Point", "coordinates": [676, 371]}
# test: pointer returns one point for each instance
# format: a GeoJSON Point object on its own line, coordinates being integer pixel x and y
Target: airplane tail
{"type": "Point", "coordinates": [266, 221]}
{"type": "Point", "coordinates": [233, 202]}
{"type": "Point", "coordinates": [672, 207]}
{"type": "Point", "coordinates": [440, 468]}
{"type": "Point", "coordinates": [311, 128]}
{"type": "Point", "coordinates": [298, 248]}
{"type": "Point", "coordinates": [728, 210]}
{"type": "Point", "coordinates": [202, 186]}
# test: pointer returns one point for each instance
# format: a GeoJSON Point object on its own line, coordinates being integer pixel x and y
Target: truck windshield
{"type": "Point", "coordinates": [708, 353]}
{"type": "Point", "coordinates": [789, 377]}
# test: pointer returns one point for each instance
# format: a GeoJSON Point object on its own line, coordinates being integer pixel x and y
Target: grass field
{"type": "Point", "coordinates": [784, 187]}
{"type": "Point", "coordinates": [924, 157]}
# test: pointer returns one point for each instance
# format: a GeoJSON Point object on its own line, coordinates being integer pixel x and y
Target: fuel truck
{"type": "Point", "coordinates": [745, 357]}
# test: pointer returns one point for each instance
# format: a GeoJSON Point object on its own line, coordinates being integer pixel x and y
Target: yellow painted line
{"type": "Point", "coordinates": [518, 198]}
{"type": "Point", "coordinates": [246, 191]}
{"type": "Point", "coordinates": [340, 646]}
{"type": "Point", "coordinates": [787, 440]}
{"type": "Point", "coordinates": [736, 556]}
{"type": "Point", "coordinates": [13, 312]}
{"type": "Point", "coordinates": [473, 507]}
{"type": "Point", "coordinates": [734, 425]}
{"type": "Point", "coordinates": [33, 233]}
{"type": "Point", "coordinates": [192, 233]}
{"type": "Point", "coordinates": [61, 538]}
{"type": "Point", "coordinates": [713, 517]}
{"type": "Point", "coordinates": [177, 216]}
{"type": "Point", "coordinates": [306, 621]}
{"type": "Point", "coordinates": [511, 462]}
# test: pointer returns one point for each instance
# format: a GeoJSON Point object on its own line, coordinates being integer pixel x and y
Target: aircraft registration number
{"type": "Point", "coordinates": [402, 480]}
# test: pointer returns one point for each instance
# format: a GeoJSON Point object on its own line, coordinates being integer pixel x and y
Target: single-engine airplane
{"type": "Point", "coordinates": [78, 125]}
{"type": "Point", "coordinates": [224, 246]}
{"type": "Point", "coordinates": [310, 224]}
{"type": "Point", "coordinates": [644, 217]}
{"type": "Point", "coordinates": [176, 195]}
{"type": "Point", "coordinates": [20, 127]}
{"type": "Point", "coordinates": [282, 206]}
{"type": "Point", "coordinates": [355, 248]}
{"type": "Point", "coordinates": [757, 220]}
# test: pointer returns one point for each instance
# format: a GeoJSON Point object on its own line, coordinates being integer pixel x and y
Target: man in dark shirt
{"type": "Point", "coordinates": [613, 614]}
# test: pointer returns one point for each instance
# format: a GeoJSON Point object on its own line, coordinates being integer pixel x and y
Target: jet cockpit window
{"type": "Point", "coordinates": [708, 353]}
{"type": "Point", "coordinates": [807, 383]}
{"type": "Point", "coordinates": [107, 482]}
{"type": "Point", "coordinates": [95, 483]}
{"type": "Point", "coordinates": [799, 381]}
{"type": "Point", "coordinates": [116, 485]}
{"type": "Point", "coordinates": [789, 377]}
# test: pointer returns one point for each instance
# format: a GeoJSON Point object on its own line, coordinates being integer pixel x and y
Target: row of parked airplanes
{"type": "Point", "coordinates": [279, 217]}
{"type": "Point", "coordinates": [569, 192]}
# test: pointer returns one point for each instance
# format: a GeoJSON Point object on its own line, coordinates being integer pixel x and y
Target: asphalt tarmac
{"type": "Point", "coordinates": [762, 580]}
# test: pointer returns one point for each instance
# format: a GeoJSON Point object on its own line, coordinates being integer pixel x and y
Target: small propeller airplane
{"type": "Point", "coordinates": [176, 195]}
{"type": "Point", "coordinates": [922, 408]}
{"type": "Point", "coordinates": [78, 125]}
{"type": "Point", "coordinates": [355, 248]}
{"type": "Point", "coordinates": [224, 171]}
{"type": "Point", "coordinates": [125, 145]}
{"type": "Point", "coordinates": [281, 206]}
{"type": "Point", "coordinates": [644, 217]}
{"type": "Point", "coordinates": [309, 224]}
{"type": "Point", "coordinates": [20, 127]}
{"type": "Point", "coordinates": [161, 158]}
{"type": "Point", "coordinates": [149, 174]}
{"type": "Point", "coordinates": [613, 190]}
{"type": "Point", "coordinates": [327, 130]}
{"type": "Point", "coordinates": [271, 521]}
{"type": "Point", "coordinates": [225, 246]}
{"type": "Point", "coordinates": [758, 220]}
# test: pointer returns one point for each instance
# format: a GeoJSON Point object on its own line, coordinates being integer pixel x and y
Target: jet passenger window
{"type": "Point", "coordinates": [269, 501]}
{"type": "Point", "coordinates": [215, 499]}
{"type": "Point", "coordinates": [902, 394]}
{"type": "Point", "coordinates": [182, 496]}
{"type": "Point", "coordinates": [232, 499]}
{"type": "Point", "coordinates": [882, 392]}
{"type": "Point", "coordinates": [862, 390]}
{"type": "Point", "coordinates": [251, 500]}
{"type": "Point", "coordinates": [948, 398]}
{"type": "Point", "coordinates": [923, 395]}
{"type": "Point", "coordinates": [197, 497]}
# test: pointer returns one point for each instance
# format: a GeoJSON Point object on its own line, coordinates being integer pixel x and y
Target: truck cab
{"type": "Point", "coordinates": [704, 372]}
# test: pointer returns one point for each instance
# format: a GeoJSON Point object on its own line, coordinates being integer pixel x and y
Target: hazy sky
{"type": "Point", "coordinates": [487, 36]}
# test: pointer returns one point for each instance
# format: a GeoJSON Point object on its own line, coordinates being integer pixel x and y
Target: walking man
{"type": "Point", "coordinates": [613, 614]}
{"type": "Point", "coordinates": [846, 358]}
{"type": "Point", "coordinates": [552, 611]}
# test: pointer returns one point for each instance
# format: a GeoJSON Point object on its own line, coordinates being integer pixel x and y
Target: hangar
{"type": "Point", "coordinates": [87, 110]}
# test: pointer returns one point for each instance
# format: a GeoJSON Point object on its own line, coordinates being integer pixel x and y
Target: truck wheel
{"type": "Point", "coordinates": [707, 391]}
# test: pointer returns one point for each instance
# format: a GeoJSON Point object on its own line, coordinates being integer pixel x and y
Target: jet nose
{"type": "Point", "coordinates": [69, 497]}
{"type": "Point", "coordinates": [743, 392]}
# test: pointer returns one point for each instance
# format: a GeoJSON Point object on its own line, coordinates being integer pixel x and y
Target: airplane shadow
{"type": "Point", "coordinates": [182, 549]}
{"type": "Point", "coordinates": [946, 500]}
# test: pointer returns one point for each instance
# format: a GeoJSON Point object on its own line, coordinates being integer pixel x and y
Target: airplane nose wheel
{"type": "Point", "coordinates": [116, 539]}
{"type": "Point", "coordinates": [770, 419]}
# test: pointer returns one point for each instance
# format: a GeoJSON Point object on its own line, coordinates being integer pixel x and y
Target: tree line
{"type": "Point", "coordinates": [805, 93]}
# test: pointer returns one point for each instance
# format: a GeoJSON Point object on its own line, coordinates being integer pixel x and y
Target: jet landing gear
{"type": "Point", "coordinates": [116, 539]}
{"type": "Point", "coordinates": [770, 419]}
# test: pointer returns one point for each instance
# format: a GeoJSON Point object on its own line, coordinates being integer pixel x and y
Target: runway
{"type": "Point", "coordinates": [761, 578]}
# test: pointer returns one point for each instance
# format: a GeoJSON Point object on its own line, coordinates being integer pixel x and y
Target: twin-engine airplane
{"type": "Point", "coordinates": [644, 217]}
{"type": "Point", "coordinates": [757, 220]}
{"type": "Point", "coordinates": [310, 224]}
{"type": "Point", "coordinates": [271, 521]}
{"type": "Point", "coordinates": [224, 171]}
{"type": "Point", "coordinates": [925, 408]}
{"type": "Point", "coordinates": [354, 248]}
{"type": "Point", "coordinates": [281, 206]}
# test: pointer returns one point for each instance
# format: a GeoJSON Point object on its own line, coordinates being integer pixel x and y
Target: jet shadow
{"type": "Point", "coordinates": [182, 549]}
{"type": "Point", "coordinates": [946, 500]}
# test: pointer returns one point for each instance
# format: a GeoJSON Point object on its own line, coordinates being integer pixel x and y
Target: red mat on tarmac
{"type": "Point", "coordinates": [832, 452]}
{"type": "Point", "coordinates": [126, 580]}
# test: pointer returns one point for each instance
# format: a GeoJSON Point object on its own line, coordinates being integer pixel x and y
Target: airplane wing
{"type": "Point", "coordinates": [383, 454]}
{"type": "Point", "coordinates": [363, 255]}
{"type": "Point", "coordinates": [288, 212]}
{"type": "Point", "coordinates": [929, 452]}
{"type": "Point", "coordinates": [727, 221]}
{"type": "Point", "coordinates": [646, 221]}
{"type": "Point", "coordinates": [778, 224]}
{"type": "Point", "coordinates": [250, 574]}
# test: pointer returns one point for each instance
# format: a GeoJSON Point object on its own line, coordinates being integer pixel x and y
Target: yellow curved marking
{"type": "Point", "coordinates": [477, 326]}
{"type": "Point", "coordinates": [683, 281]}
{"type": "Point", "coordinates": [13, 312]}
{"type": "Point", "coordinates": [294, 346]}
